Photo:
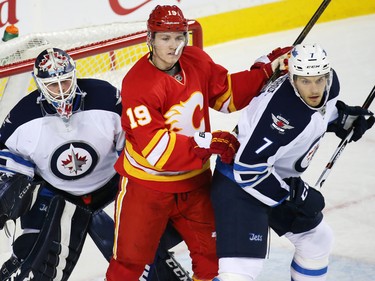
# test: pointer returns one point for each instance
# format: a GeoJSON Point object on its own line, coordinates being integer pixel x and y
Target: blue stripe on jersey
{"type": "Point", "coordinates": [269, 188]}
{"type": "Point", "coordinates": [5, 170]}
{"type": "Point", "coordinates": [247, 181]}
{"type": "Point", "coordinates": [16, 158]}
{"type": "Point", "coordinates": [309, 272]}
{"type": "Point", "coordinates": [225, 169]}
{"type": "Point", "coordinates": [253, 169]}
{"type": "Point", "coordinates": [251, 174]}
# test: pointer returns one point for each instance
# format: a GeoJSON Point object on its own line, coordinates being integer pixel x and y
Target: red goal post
{"type": "Point", "coordinates": [106, 52]}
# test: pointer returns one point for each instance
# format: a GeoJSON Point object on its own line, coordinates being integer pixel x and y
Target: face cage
{"type": "Point", "coordinates": [328, 87]}
{"type": "Point", "coordinates": [61, 101]}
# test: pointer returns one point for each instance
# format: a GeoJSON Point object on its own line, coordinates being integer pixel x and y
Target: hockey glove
{"type": "Point", "coordinates": [219, 142]}
{"type": "Point", "coordinates": [16, 194]}
{"type": "Point", "coordinates": [356, 117]}
{"type": "Point", "coordinates": [307, 200]}
{"type": "Point", "coordinates": [276, 60]}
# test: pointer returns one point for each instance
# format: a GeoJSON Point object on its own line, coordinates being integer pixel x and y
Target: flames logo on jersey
{"type": "Point", "coordinates": [280, 124]}
{"type": "Point", "coordinates": [53, 64]}
{"type": "Point", "coordinates": [187, 117]}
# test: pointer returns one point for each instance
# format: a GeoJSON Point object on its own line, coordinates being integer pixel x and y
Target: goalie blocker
{"type": "Point", "coordinates": [16, 196]}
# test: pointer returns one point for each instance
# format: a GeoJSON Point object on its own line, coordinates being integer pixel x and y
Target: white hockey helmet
{"type": "Point", "coordinates": [308, 60]}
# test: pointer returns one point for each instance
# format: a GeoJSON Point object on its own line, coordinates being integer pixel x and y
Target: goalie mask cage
{"type": "Point", "coordinates": [106, 52]}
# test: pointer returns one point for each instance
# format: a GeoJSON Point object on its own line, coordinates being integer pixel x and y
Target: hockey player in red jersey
{"type": "Point", "coordinates": [165, 166]}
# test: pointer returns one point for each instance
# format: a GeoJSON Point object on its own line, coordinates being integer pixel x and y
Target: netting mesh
{"type": "Point", "coordinates": [106, 52]}
{"type": "Point", "coordinates": [28, 47]}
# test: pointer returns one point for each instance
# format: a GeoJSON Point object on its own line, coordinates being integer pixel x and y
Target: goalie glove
{"type": "Point", "coordinates": [219, 142]}
{"type": "Point", "coordinates": [274, 61]}
{"type": "Point", "coordinates": [356, 117]}
{"type": "Point", "coordinates": [16, 196]}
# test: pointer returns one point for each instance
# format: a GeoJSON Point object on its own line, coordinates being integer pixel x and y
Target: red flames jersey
{"type": "Point", "coordinates": [161, 112]}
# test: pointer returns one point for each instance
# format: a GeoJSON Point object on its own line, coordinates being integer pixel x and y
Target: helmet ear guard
{"type": "Point", "coordinates": [54, 67]}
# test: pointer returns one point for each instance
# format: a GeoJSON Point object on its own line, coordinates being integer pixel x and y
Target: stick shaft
{"type": "Point", "coordinates": [304, 32]}
{"type": "Point", "coordinates": [312, 22]}
{"type": "Point", "coordinates": [335, 156]}
{"type": "Point", "coordinates": [299, 39]}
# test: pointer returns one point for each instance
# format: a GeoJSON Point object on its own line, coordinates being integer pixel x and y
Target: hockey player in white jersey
{"type": "Point", "coordinates": [279, 133]}
{"type": "Point", "coordinates": [58, 147]}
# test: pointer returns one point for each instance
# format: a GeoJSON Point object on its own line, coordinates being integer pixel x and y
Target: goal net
{"type": "Point", "coordinates": [106, 52]}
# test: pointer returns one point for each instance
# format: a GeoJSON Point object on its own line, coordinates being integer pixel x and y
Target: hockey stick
{"type": "Point", "coordinates": [304, 32]}
{"type": "Point", "coordinates": [312, 22]}
{"type": "Point", "coordinates": [299, 40]}
{"type": "Point", "coordinates": [342, 145]}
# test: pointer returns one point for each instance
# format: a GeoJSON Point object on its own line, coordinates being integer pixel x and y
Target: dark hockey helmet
{"type": "Point", "coordinates": [55, 76]}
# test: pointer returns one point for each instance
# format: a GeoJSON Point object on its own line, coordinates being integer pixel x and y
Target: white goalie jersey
{"type": "Point", "coordinates": [75, 156]}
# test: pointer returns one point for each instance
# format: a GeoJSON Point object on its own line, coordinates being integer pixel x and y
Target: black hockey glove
{"type": "Point", "coordinates": [16, 193]}
{"type": "Point", "coordinates": [306, 199]}
{"type": "Point", "coordinates": [351, 116]}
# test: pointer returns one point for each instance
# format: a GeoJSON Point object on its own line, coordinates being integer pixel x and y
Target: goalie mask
{"type": "Point", "coordinates": [55, 76]}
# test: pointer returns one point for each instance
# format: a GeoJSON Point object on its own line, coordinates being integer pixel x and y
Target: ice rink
{"type": "Point", "coordinates": [349, 189]}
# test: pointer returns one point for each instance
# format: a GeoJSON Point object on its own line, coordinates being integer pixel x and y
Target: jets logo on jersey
{"type": "Point", "coordinates": [304, 161]}
{"type": "Point", "coordinates": [73, 160]}
{"type": "Point", "coordinates": [280, 124]}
